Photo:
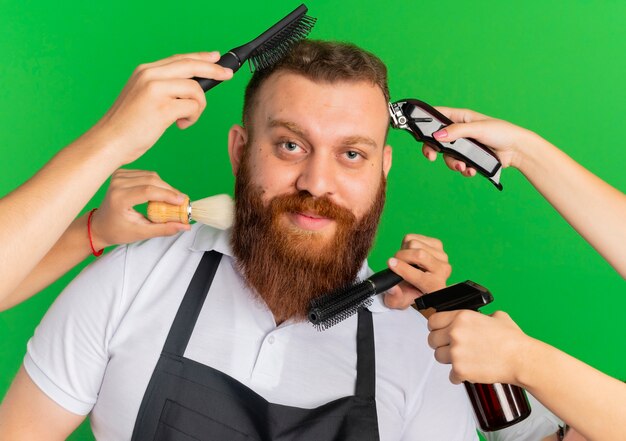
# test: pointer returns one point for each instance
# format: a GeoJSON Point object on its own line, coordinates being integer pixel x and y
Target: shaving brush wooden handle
{"type": "Point", "coordinates": [160, 212]}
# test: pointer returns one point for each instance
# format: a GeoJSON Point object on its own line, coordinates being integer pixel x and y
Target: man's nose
{"type": "Point", "coordinates": [317, 176]}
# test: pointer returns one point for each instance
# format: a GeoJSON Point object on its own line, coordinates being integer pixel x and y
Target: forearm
{"type": "Point", "coordinates": [588, 400]}
{"type": "Point", "coordinates": [71, 249]}
{"type": "Point", "coordinates": [35, 215]}
{"type": "Point", "coordinates": [594, 208]}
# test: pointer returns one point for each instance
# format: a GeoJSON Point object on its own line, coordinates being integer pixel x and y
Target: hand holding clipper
{"type": "Point", "coordinates": [422, 120]}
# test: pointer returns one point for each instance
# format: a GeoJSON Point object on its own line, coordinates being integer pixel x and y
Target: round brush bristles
{"type": "Point", "coordinates": [216, 211]}
{"type": "Point", "coordinates": [160, 212]}
{"type": "Point", "coordinates": [330, 309]}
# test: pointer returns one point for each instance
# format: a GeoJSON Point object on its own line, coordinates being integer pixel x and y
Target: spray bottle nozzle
{"type": "Point", "coordinates": [464, 295]}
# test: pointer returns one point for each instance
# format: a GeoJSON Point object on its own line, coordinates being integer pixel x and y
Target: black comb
{"type": "Point", "coordinates": [269, 47]}
{"type": "Point", "coordinates": [330, 309]}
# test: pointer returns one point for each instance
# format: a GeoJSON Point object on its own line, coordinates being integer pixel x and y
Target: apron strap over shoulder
{"type": "Point", "coordinates": [366, 358]}
{"type": "Point", "coordinates": [190, 307]}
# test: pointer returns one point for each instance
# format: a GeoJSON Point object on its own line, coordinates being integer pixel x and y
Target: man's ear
{"type": "Point", "coordinates": [237, 140]}
{"type": "Point", "coordinates": [387, 156]}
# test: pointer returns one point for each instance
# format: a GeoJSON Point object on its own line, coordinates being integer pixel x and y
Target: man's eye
{"type": "Point", "coordinates": [289, 146]}
{"type": "Point", "coordinates": [351, 154]}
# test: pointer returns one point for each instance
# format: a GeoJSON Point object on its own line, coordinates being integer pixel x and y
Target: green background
{"type": "Point", "coordinates": [556, 67]}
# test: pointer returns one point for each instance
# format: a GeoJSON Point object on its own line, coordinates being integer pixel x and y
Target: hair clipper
{"type": "Point", "coordinates": [422, 120]}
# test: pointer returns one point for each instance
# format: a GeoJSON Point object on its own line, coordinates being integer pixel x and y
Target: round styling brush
{"type": "Point", "coordinates": [215, 211]}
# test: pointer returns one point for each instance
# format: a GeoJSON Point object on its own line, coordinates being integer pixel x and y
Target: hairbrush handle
{"type": "Point", "coordinates": [330, 309]}
{"type": "Point", "coordinates": [161, 212]}
{"type": "Point", "coordinates": [267, 47]}
{"type": "Point", "coordinates": [384, 280]}
{"type": "Point", "coordinates": [229, 60]}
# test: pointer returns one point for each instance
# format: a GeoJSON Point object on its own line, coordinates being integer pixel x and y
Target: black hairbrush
{"type": "Point", "coordinates": [330, 309]}
{"type": "Point", "coordinates": [267, 48]}
{"type": "Point", "coordinates": [422, 120]}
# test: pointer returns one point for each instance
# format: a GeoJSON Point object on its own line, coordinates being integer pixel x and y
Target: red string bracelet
{"type": "Point", "coordinates": [93, 250]}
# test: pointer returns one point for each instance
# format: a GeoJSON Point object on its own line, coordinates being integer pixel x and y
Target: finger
{"type": "Point", "coordinates": [184, 123]}
{"type": "Point", "coordinates": [454, 378]}
{"type": "Point", "coordinates": [440, 320]}
{"type": "Point", "coordinates": [185, 112]}
{"type": "Point", "coordinates": [209, 57]}
{"type": "Point", "coordinates": [442, 355]}
{"type": "Point", "coordinates": [187, 68]}
{"type": "Point", "coordinates": [426, 240]}
{"type": "Point", "coordinates": [477, 130]}
{"type": "Point", "coordinates": [458, 165]}
{"type": "Point", "coordinates": [143, 193]}
{"type": "Point", "coordinates": [180, 88]}
{"type": "Point", "coordinates": [138, 178]}
{"type": "Point", "coordinates": [454, 164]}
{"type": "Point", "coordinates": [461, 115]}
{"type": "Point", "coordinates": [151, 230]}
{"type": "Point", "coordinates": [425, 260]}
{"type": "Point", "coordinates": [429, 152]}
{"type": "Point", "coordinates": [396, 298]}
{"type": "Point", "coordinates": [129, 174]}
{"type": "Point", "coordinates": [438, 338]}
{"type": "Point", "coordinates": [414, 276]}
{"type": "Point", "coordinates": [501, 315]}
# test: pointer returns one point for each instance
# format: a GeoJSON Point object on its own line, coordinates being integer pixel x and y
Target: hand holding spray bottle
{"type": "Point", "coordinates": [496, 405]}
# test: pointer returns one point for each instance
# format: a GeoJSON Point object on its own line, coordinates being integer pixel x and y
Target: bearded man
{"type": "Point", "coordinates": [203, 336]}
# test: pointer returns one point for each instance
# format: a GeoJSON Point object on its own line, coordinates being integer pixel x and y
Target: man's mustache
{"type": "Point", "coordinates": [304, 202]}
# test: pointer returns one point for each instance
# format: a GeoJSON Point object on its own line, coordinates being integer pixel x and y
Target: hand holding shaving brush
{"type": "Point", "coordinates": [216, 211]}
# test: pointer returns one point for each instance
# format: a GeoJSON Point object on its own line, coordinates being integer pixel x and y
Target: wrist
{"type": "Point", "coordinates": [104, 146]}
{"type": "Point", "coordinates": [530, 150]}
{"type": "Point", "coordinates": [528, 354]}
{"type": "Point", "coordinates": [525, 148]}
{"type": "Point", "coordinates": [96, 242]}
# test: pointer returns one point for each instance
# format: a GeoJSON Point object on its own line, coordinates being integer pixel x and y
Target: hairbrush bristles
{"type": "Point", "coordinates": [268, 48]}
{"type": "Point", "coordinates": [279, 45]}
{"type": "Point", "coordinates": [330, 309]}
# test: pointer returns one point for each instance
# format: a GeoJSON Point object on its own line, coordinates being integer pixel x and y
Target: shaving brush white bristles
{"type": "Point", "coordinates": [216, 211]}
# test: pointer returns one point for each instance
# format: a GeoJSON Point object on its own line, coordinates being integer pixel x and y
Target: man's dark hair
{"type": "Point", "coordinates": [322, 61]}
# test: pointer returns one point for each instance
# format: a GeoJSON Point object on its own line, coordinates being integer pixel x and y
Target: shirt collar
{"type": "Point", "coordinates": [209, 238]}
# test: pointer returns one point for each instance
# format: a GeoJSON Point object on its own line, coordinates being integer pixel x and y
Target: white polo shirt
{"type": "Point", "coordinates": [95, 350]}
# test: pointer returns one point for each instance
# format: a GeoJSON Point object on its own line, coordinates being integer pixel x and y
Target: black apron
{"type": "Point", "coordinates": [186, 400]}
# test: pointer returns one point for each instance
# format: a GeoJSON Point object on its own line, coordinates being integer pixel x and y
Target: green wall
{"type": "Point", "coordinates": [556, 67]}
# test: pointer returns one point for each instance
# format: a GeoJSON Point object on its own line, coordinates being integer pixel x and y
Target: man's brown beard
{"type": "Point", "coordinates": [287, 266]}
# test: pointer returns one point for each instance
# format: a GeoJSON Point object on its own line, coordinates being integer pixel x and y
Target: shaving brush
{"type": "Point", "coordinates": [216, 211]}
